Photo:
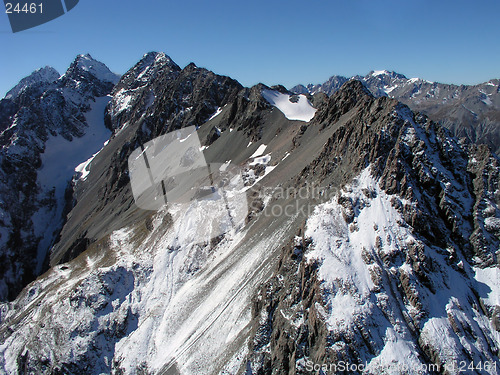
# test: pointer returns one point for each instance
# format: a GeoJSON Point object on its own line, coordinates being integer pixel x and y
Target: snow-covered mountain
{"type": "Point", "coordinates": [469, 111]}
{"type": "Point", "coordinates": [372, 239]}
{"type": "Point", "coordinates": [51, 124]}
{"type": "Point", "coordinates": [25, 92]}
{"type": "Point", "coordinates": [44, 75]}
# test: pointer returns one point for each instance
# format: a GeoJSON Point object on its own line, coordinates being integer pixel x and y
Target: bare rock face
{"type": "Point", "coordinates": [287, 326]}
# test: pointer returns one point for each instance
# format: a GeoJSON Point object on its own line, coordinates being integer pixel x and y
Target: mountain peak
{"type": "Point", "coordinates": [46, 74]}
{"type": "Point", "coordinates": [84, 56]}
{"type": "Point", "coordinates": [86, 63]}
{"type": "Point", "coordinates": [190, 67]}
{"type": "Point", "coordinates": [149, 68]}
{"type": "Point", "coordinates": [378, 72]}
{"type": "Point", "coordinates": [364, 233]}
{"type": "Point", "coordinates": [158, 57]}
{"type": "Point", "coordinates": [342, 101]}
{"type": "Point", "coordinates": [391, 74]}
{"type": "Point", "coordinates": [356, 87]}
{"type": "Point", "coordinates": [462, 108]}
{"type": "Point", "coordinates": [281, 89]}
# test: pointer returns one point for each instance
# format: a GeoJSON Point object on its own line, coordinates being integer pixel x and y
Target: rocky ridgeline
{"type": "Point", "coordinates": [471, 111]}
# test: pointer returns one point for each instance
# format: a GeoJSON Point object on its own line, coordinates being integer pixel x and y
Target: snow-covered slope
{"type": "Point", "coordinates": [59, 161]}
{"type": "Point", "coordinates": [358, 284]}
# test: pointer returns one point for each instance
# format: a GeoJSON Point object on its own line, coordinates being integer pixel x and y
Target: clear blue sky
{"type": "Point", "coordinates": [273, 41]}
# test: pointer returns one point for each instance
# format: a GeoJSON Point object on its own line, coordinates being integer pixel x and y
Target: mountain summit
{"type": "Point", "coordinates": [42, 75]}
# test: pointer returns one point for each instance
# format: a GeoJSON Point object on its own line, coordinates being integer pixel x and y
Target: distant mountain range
{"type": "Point", "coordinates": [472, 112]}
{"type": "Point", "coordinates": [370, 238]}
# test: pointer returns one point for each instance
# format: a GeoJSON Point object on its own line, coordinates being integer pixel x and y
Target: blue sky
{"type": "Point", "coordinates": [274, 41]}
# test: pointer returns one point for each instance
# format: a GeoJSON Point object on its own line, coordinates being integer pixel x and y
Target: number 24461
{"type": "Point", "coordinates": [27, 8]}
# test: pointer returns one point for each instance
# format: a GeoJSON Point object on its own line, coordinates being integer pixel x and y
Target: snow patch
{"type": "Point", "coordinates": [491, 277]}
{"type": "Point", "coordinates": [340, 250]}
{"type": "Point", "coordinates": [262, 160]}
{"type": "Point", "coordinates": [301, 110]}
{"type": "Point", "coordinates": [398, 353]}
{"type": "Point", "coordinates": [260, 150]}
{"type": "Point", "coordinates": [388, 90]}
{"type": "Point", "coordinates": [216, 113]}
{"type": "Point", "coordinates": [123, 101]}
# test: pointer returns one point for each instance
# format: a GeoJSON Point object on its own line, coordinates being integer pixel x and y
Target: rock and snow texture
{"type": "Point", "coordinates": [62, 156]}
{"type": "Point", "coordinates": [53, 125]}
{"type": "Point", "coordinates": [294, 107]}
{"type": "Point", "coordinates": [42, 75]}
{"type": "Point", "coordinates": [364, 262]}
{"type": "Point", "coordinates": [386, 275]}
{"type": "Point", "coordinates": [137, 89]}
{"type": "Point", "coordinates": [96, 69]}
{"type": "Point", "coordinates": [140, 302]}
